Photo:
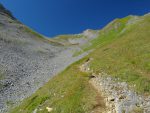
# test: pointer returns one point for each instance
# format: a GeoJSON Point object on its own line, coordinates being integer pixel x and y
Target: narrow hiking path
{"type": "Point", "coordinates": [118, 97]}
{"type": "Point", "coordinates": [100, 106]}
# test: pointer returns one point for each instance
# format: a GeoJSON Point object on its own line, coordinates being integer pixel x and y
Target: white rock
{"type": "Point", "coordinates": [49, 109]}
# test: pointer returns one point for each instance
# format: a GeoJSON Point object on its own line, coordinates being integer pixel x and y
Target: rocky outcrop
{"type": "Point", "coordinates": [90, 34]}
{"type": "Point", "coordinates": [119, 97]}
{"type": "Point", "coordinates": [4, 11]}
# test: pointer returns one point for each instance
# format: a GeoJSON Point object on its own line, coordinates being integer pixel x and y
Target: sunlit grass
{"type": "Point", "coordinates": [128, 57]}
{"type": "Point", "coordinates": [68, 92]}
{"type": "Point", "coordinates": [124, 55]}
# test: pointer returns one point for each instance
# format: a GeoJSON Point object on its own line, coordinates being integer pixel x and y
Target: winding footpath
{"type": "Point", "coordinates": [118, 96]}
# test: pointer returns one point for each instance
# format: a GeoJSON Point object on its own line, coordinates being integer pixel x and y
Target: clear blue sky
{"type": "Point", "coordinates": [54, 17]}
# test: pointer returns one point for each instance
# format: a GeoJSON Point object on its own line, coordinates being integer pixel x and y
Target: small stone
{"type": "Point", "coordinates": [49, 109]}
{"type": "Point", "coordinates": [35, 111]}
{"type": "Point", "coordinates": [111, 99]}
{"type": "Point", "coordinates": [40, 109]}
{"type": "Point", "coordinates": [122, 96]}
{"type": "Point", "coordinates": [88, 69]}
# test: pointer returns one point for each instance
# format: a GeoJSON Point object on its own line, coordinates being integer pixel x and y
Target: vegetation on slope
{"type": "Point", "coordinates": [33, 32]}
{"type": "Point", "coordinates": [65, 39]}
{"type": "Point", "coordinates": [128, 57]}
{"type": "Point", "coordinates": [122, 50]}
{"type": "Point", "coordinates": [68, 92]}
{"type": "Point", "coordinates": [106, 35]}
{"type": "Point", "coordinates": [42, 38]}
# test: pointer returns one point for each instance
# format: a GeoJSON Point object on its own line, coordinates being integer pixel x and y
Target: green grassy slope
{"type": "Point", "coordinates": [68, 92]}
{"type": "Point", "coordinates": [128, 57]}
{"type": "Point", "coordinates": [106, 35]}
{"type": "Point", "coordinates": [122, 50]}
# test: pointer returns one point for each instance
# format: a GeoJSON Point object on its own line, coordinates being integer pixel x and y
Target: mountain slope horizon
{"type": "Point", "coordinates": [27, 59]}
{"type": "Point", "coordinates": [119, 58]}
{"type": "Point", "coordinates": [117, 54]}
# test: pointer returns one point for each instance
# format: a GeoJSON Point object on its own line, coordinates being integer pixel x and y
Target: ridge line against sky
{"type": "Point", "coordinates": [55, 17]}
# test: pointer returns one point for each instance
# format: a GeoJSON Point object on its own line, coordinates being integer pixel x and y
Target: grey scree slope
{"type": "Point", "coordinates": [26, 61]}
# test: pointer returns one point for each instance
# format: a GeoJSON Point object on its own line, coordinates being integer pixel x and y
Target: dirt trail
{"type": "Point", "coordinates": [100, 106]}
{"type": "Point", "coordinates": [116, 96]}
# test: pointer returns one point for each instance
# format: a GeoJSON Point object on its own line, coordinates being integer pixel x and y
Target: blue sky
{"type": "Point", "coordinates": [54, 17]}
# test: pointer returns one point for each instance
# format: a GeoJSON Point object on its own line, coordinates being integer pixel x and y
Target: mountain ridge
{"type": "Point", "coordinates": [4, 11]}
{"type": "Point", "coordinates": [28, 60]}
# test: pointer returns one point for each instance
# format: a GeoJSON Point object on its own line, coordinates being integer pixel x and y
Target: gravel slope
{"type": "Point", "coordinates": [26, 61]}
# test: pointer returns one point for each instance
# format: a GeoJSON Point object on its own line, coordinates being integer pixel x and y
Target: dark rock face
{"type": "Point", "coordinates": [4, 11]}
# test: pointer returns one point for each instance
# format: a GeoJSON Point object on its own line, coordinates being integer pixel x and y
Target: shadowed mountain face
{"type": "Point", "coordinates": [27, 60]}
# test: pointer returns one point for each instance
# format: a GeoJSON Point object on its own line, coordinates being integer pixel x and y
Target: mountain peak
{"type": "Point", "coordinates": [6, 12]}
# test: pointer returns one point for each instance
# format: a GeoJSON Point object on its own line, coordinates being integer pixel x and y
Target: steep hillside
{"type": "Point", "coordinates": [27, 60]}
{"type": "Point", "coordinates": [121, 52]}
{"type": "Point", "coordinates": [124, 52]}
